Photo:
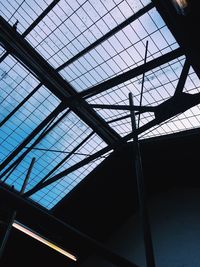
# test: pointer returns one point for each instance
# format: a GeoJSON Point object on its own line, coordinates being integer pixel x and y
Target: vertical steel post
{"type": "Point", "coordinates": [7, 233]}
{"type": "Point", "coordinates": [150, 261]}
{"type": "Point", "coordinates": [14, 213]}
{"type": "Point", "coordinates": [143, 76]}
{"type": "Point", "coordinates": [27, 177]}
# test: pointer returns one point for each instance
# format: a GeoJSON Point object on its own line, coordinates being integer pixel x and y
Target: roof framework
{"type": "Point", "coordinates": [66, 71]}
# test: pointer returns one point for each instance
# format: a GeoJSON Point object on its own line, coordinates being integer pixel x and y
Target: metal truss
{"type": "Point", "coordinates": [17, 46]}
{"type": "Point", "coordinates": [21, 49]}
{"type": "Point", "coordinates": [175, 105]}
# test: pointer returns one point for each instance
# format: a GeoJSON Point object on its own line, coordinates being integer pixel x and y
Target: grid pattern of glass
{"type": "Point", "coordinates": [69, 35]}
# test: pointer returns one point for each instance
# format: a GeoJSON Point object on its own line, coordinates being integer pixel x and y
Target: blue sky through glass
{"type": "Point", "coordinates": [69, 28]}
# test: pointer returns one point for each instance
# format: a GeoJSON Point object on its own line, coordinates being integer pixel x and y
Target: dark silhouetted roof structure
{"type": "Point", "coordinates": [66, 69]}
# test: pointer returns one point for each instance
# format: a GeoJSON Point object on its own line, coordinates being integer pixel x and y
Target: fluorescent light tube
{"type": "Point", "coordinates": [41, 239]}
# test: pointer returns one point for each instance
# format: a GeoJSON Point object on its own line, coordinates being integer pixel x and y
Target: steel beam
{"type": "Point", "coordinates": [119, 118]}
{"type": "Point", "coordinates": [119, 27]}
{"type": "Point", "coordinates": [24, 52]}
{"type": "Point", "coordinates": [141, 109]}
{"type": "Point", "coordinates": [3, 56]}
{"type": "Point", "coordinates": [183, 28]}
{"type": "Point", "coordinates": [130, 74]}
{"type": "Point", "coordinates": [32, 135]}
{"type": "Point", "coordinates": [68, 171]}
{"type": "Point", "coordinates": [24, 34]}
{"type": "Point", "coordinates": [182, 79]}
{"type": "Point", "coordinates": [86, 50]}
{"type": "Point", "coordinates": [164, 111]}
{"type": "Point", "coordinates": [87, 160]}
{"type": "Point", "coordinates": [65, 158]}
{"type": "Point", "coordinates": [48, 128]}
{"type": "Point", "coordinates": [40, 18]}
{"type": "Point", "coordinates": [176, 105]}
{"type": "Point", "coordinates": [32, 26]}
{"type": "Point", "coordinates": [27, 177]}
{"type": "Point", "coordinates": [20, 105]}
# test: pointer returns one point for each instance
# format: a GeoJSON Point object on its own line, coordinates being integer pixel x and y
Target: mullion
{"type": "Point", "coordinates": [57, 157]}
{"type": "Point", "coordinates": [118, 53]}
{"type": "Point", "coordinates": [30, 137]}
{"type": "Point", "coordinates": [160, 80]}
{"type": "Point", "coordinates": [105, 92]}
{"type": "Point", "coordinates": [16, 10]}
{"type": "Point", "coordinates": [98, 65]}
{"type": "Point", "coordinates": [121, 126]}
{"type": "Point", "coordinates": [111, 58]}
{"type": "Point", "coordinates": [19, 161]}
{"type": "Point", "coordinates": [22, 122]}
{"type": "Point", "coordinates": [172, 120]}
{"type": "Point", "coordinates": [194, 115]}
{"type": "Point", "coordinates": [69, 144]}
{"type": "Point", "coordinates": [76, 37]}
{"type": "Point", "coordinates": [93, 68]}
{"type": "Point", "coordinates": [71, 179]}
{"type": "Point", "coordinates": [53, 159]}
{"type": "Point", "coordinates": [24, 10]}
{"type": "Point", "coordinates": [8, 9]}
{"type": "Point", "coordinates": [158, 29]}
{"type": "Point", "coordinates": [63, 161]}
{"type": "Point", "coordinates": [71, 60]}
{"type": "Point", "coordinates": [23, 17]}
{"type": "Point", "coordinates": [35, 22]}
{"type": "Point", "coordinates": [13, 69]}
{"type": "Point", "coordinates": [15, 87]}
{"type": "Point", "coordinates": [69, 184]}
{"type": "Point", "coordinates": [95, 146]}
{"type": "Point", "coordinates": [57, 27]}
{"type": "Point", "coordinates": [136, 87]}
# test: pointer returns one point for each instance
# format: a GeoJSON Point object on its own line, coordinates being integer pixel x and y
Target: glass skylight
{"type": "Point", "coordinates": [121, 52]}
{"type": "Point", "coordinates": [160, 84]}
{"type": "Point", "coordinates": [73, 25]}
{"type": "Point", "coordinates": [25, 12]}
{"type": "Point", "coordinates": [84, 42]}
{"type": "Point", "coordinates": [64, 185]}
{"type": "Point", "coordinates": [16, 83]}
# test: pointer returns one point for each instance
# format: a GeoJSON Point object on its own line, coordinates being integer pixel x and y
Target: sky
{"type": "Point", "coordinates": [70, 27]}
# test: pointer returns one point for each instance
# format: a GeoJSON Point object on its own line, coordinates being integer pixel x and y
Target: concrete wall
{"type": "Point", "coordinates": [175, 223]}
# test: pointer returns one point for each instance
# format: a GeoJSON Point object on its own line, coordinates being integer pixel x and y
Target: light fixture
{"type": "Point", "coordinates": [41, 239]}
{"type": "Point", "coordinates": [181, 6]}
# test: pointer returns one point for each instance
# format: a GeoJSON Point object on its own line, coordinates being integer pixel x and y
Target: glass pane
{"type": "Point", "coordinates": [25, 12]}
{"type": "Point", "coordinates": [121, 52]}
{"type": "Point", "coordinates": [159, 85]}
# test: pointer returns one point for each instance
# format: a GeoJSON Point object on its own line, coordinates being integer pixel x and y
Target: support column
{"type": "Point", "coordinates": [150, 261]}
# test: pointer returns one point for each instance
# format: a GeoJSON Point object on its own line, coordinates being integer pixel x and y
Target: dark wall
{"type": "Point", "coordinates": [175, 227]}
{"type": "Point", "coordinates": [108, 196]}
